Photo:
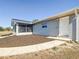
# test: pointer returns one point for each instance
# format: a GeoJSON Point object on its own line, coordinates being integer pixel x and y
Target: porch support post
{"type": "Point", "coordinates": [17, 29]}
{"type": "Point", "coordinates": [77, 25]}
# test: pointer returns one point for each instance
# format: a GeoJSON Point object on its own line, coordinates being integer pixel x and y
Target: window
{"type": "Point", "coordinates": [44, 25]}
{"type": "Point", "coordinates": [22, 28]}
{"type": "Point", "coordinates": [29, 28]}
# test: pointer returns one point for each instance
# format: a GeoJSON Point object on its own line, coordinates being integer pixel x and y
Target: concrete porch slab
{"type": "Point", "coordinates": [59, 38]}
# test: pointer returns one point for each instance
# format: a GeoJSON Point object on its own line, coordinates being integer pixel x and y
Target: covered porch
{"type": "Point", "coordinates": [22, 28]}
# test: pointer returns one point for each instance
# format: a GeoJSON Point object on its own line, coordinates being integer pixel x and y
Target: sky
{"type": "Point", "coordinates": [32, 9]}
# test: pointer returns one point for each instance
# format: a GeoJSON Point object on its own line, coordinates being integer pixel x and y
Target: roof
{"type": "Point", "coordinates": [14, 21]}
{"type": "Point", "coordinates": [62, 14]}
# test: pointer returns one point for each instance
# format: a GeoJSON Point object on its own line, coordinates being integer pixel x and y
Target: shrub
{"type": "Point", "coordinates": [55, 48]}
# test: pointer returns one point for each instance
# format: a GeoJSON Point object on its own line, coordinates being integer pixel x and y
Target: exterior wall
{"type": "Point", "coordinates": [67, 27]}
{"type": "Point", "coordinates": [64, 26]}
{"type": "Point", "coordinates": [72, 27]}
{"type": "Point", "coordinates": [52, 28]}
{"type": "Point", "coordinates": [37, 29]}
{"type": "Point", "coordinates": [14, 29]}
{"type": "Point", "coordinates": [77, 28]}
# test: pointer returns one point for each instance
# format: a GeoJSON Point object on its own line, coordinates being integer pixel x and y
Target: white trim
{"type": "Point", "coordinates": [25, 33]}
{"type": "Point", "coordinates": [77, 25]}
{"type": "Point", "coordinates": [17, 28]}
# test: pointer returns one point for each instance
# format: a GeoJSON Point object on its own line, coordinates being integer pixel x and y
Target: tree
{"type": "Point", "coordinates": [1, 29]}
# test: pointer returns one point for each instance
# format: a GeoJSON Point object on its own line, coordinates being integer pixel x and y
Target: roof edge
{"type": "Point", "coordinates": [61, 13]}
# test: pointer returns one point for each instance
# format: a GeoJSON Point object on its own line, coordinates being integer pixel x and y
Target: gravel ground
{"type": "Point", "coordinates": [24, 40]}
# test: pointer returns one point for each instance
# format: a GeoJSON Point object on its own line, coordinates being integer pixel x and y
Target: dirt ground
{"type": "Point", "coordinates": [65, 51]}
{"type": "Point", "coordinates": [68, 50]}
{"type": "Point", "coordinates": [24, 40]}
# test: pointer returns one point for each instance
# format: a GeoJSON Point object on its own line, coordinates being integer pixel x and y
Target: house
{"type": "Point", "coordinates": [65, 24]}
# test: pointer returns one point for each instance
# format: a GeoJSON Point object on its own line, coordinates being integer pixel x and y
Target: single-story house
{"type": "Point", "coordinates": [65, 24]}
